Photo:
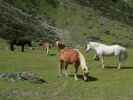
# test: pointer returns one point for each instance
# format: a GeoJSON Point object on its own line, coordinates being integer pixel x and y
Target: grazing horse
{"type": "Point", "coordinates": [45, 46]}
{"type": "Point", "coordinates": [71, 56]}
{"type": "Point", "coordinates": [21, 43]}
{"type": "Point", "coordinates": [102, 50]}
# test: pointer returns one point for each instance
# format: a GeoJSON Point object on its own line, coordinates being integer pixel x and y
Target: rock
{"type": "Point", "coordinates": [32, 77]}
{"type": "Point", "coordinates": [13, 76]}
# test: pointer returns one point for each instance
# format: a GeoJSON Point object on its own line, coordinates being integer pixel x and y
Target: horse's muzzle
{"type": "Point", "coordinates": [86, 51]}
{"type": "Point", "coordinates": [86, 76]}
{"type": "Point", "coordinates": [96, 58]}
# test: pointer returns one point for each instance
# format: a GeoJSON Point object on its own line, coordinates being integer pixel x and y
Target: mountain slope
{"type": "Point", "coordinates": [110, 21]}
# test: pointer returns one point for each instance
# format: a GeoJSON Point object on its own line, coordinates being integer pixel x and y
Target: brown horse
{"type": "Point", "coordinates": [20, 42]}
{"type": "Point", "coordinates": [72, 56]}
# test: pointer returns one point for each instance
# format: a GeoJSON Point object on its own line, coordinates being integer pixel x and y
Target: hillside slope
{"type": "Point", "coordinates": [110, 21]}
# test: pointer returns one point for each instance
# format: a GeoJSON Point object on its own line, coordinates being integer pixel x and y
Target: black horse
{"type": "Point", "coordinates": [21, 43]}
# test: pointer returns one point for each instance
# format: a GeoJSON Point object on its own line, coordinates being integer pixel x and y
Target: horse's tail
{"type": "Point", "coordinates": [123, 55]}
{"type": "Point", "coordinates": [82, 60]}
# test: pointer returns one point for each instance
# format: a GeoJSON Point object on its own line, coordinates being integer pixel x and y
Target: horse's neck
{"type": "Point", "coordinates": [96, 45]}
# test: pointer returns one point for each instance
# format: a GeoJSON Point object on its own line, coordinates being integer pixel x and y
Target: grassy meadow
{"type": "Point", "coordinates": [106, 84]}
{"type": "Point", "coordinates": [109, 21]}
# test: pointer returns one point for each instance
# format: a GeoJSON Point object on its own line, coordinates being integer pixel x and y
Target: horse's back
{"type": "Point", "coordinates": [120, 47]}
{"type": "Point", "coordinates": [110, 49]}
{"type": "Point", "coordinates": [69, 55]}
{"type": "Point", "coordinates": [45, 45]}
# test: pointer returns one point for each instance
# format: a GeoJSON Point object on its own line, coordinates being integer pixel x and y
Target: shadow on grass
{"type": "Point", "coordinates": [90, 78]}
{"type": "Point", "coordinates": [52, 54]}
{"type": "Point", "coordinates": [128, 67]}
{"type": "Point", "coordinates": [115, 67]}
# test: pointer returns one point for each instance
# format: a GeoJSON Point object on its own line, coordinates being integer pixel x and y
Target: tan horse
{"type": "Point", "coordinates": [72, 56]}
{"type": "Point", "coordinates": [45, 46]}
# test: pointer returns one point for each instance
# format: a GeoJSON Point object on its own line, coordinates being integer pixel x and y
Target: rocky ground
{"type": "Point", "coordinates": [28, 76]}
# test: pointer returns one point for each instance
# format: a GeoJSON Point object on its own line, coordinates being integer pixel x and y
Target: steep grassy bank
{"type": "Point", "coordinates": [109, 21]}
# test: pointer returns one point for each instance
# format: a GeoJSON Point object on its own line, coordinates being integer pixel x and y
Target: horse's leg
{"type": "Point", "coordinates": [119, 65]}
{"type": "Point", "coordinates": [47, 50]}
{"type": "Point", "coordinates": [76, 71]}
{"type": "Point", "coordinates": [96, 57]}
{"type": "Point", "coordinates": [102, 61]}
{"type": "Point", "coordinates": [42, 49]}
{"type": "Point", "coordinates": [119, 62]}
{"type": "Point", "coordinates": [12, 47]}
{"type": "Point", "coordinates": [22, 48]}
{"type": "Point", "coordinates": [65, 71]}
{"type": "Point", "coordinates": [61, 68]}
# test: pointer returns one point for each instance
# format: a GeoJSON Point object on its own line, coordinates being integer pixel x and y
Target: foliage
{"type": "Point", "coordinates": [109, 20]}
{"type": "Point", "coordinates": [16, 24]}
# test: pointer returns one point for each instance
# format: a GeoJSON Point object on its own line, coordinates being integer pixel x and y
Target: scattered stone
{"type": "Point", "coordinates": [31, 77]}
{"type": "Point", "coordinates": [14, 76]}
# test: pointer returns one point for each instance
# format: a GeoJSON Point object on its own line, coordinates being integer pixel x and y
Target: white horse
{"type": "Point", "coordinates": [102, 50]}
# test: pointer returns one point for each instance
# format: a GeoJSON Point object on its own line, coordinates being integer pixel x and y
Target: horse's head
{"type": "Point", "coordinates": [88, 47]}
{"type": "Point", "coordinates": [85, 74]}
{"type": "Point", "coordinates": [92, 45]}
{"type": "Point", "coordinates": [29, 43]}
{"type": "Point", "coordinates": [60, 44]}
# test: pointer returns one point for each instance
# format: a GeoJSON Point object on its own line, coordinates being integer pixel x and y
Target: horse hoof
{"type": "Point", "coordinates": [60, 76]}
{"type": "Point", "coordinates": [76, 79]}
{"type": "Point", "coordinates": [85, 79]}
{"type": "Point", "coordinates": [66, 75]}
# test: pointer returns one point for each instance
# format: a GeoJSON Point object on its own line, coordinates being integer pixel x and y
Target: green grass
{"type": "Point", "coordinates": [111, 84]}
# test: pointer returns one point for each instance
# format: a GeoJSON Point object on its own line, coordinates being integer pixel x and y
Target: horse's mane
{"type": "Point", "coordinates": [82, 60]}
{"type": "Point", "coordinates": [96, 43]}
